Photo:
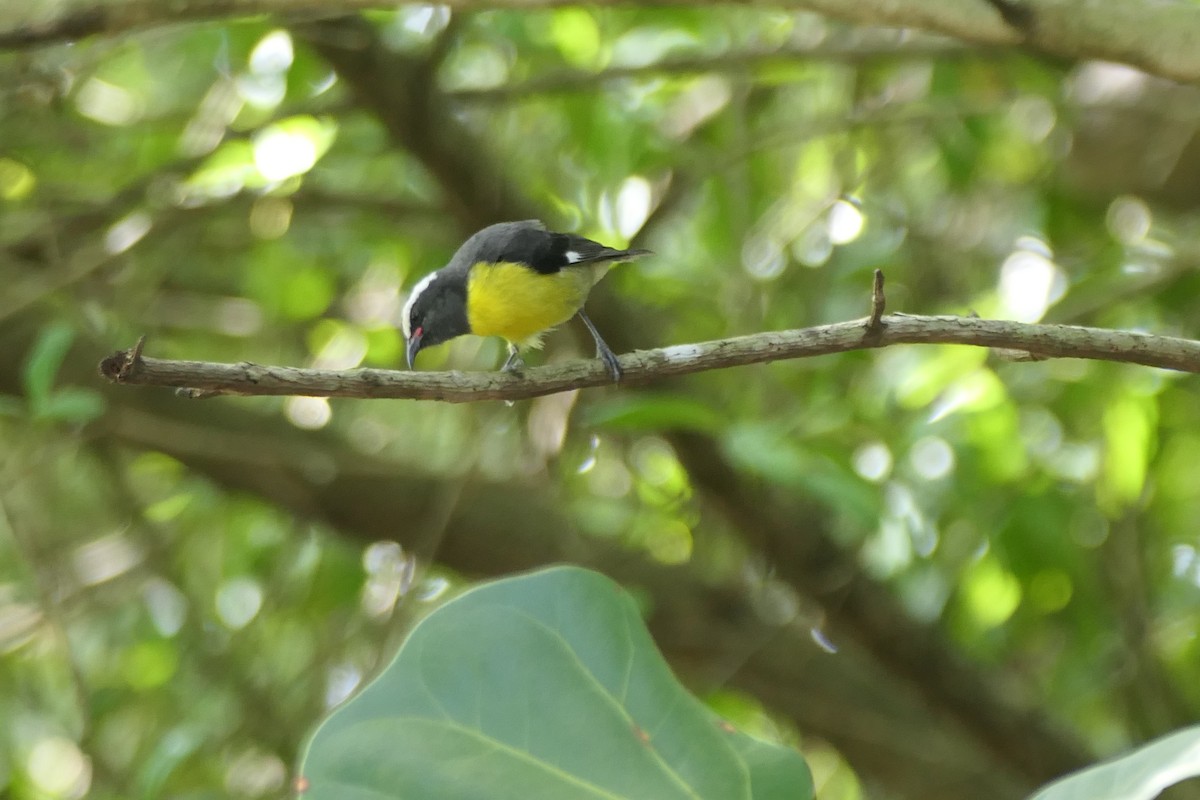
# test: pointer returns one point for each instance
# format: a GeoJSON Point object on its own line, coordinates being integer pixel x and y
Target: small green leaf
{"type": "Point", "coordinates": [1140, 775]}
{"type": "Point", "coordinates": [1129, 426]}
{"type": "Point", "coordinates": [543, 686]}
{"type": "Point", "coordinates": [11, 406]}
{"type": "Point", "coordinates": [16, 180]}
{"type": "Point", "coordinates": [71, 405]}
{"type": "Point", "coordinates": [385, 347]}
{"type": "Point", "coordinates": [169, 508]}
{"type": "Point", "coordinates": [44, 361]}
{"type": "Point", "coordinates": [577, 36]}
{"type": "Point", "coordinates": [991, 594]}
{"type": "Point", "coordinates": [653, 412]}
{"type": "Point", "coordinates": [775, 454]}
{"type": "Point", "coordinates": [307, 292]}
{"type": "Point", "coordinates": [171, 750]}
{"type": "Point", "coordinates": [227, 170]}
{"type": "Point", "coordinates": [150, 664]}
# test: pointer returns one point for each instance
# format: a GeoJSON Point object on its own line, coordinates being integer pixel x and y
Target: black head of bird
{"type": "Point", "coordinates": [515, 280]}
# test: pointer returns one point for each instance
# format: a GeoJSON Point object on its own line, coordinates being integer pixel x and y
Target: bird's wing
{"type": "Point", "coordinates": [548, 252]}
{"type": "Point", "coordinates": [577, 250]}
{"type": "Point", "coordinates": [529, 243]}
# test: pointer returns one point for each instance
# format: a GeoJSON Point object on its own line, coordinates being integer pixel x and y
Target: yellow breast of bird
{"type": "Point", "coordinates": [519, 304]}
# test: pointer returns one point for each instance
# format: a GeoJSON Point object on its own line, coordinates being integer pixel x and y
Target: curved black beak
{"type": "Point", "coordinates": [414, 347]}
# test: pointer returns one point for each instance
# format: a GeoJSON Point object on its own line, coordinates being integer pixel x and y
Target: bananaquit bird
{"type": "Point", "coordinates": [515, 280]}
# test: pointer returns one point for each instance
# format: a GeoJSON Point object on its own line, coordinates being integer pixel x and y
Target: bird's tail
{"type": "Point", "coordinates": [611, 254]}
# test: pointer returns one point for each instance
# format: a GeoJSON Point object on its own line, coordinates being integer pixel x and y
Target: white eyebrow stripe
{"type": "Point", "coordinates": [405, 315]}
{"type": "Point", "coordinates": [572, 256]}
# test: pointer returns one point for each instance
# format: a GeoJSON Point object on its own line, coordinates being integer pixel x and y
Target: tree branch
{"type": "Point", "coordinates": [885, 44]}
{"type": "Point", "coordinates": [1156, 37]}
{"type": "Point", "coordinates": [1054, 341]}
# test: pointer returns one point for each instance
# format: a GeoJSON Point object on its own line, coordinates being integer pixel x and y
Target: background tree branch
{"type": "Point", "coordinates": [1156, 37]}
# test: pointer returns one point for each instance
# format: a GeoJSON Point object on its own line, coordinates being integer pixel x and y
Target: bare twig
{"type": "Point", "coordinates": [129, 362]}
{"type": "Point", "coordinates": [1055, 341]}
{"type": "Point", "coordinates": [878, 302]}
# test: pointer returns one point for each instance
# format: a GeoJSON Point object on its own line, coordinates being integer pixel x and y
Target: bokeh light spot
{"type": "Point", "coordinates": [1029, 284]}
{"type": "Point", "coordinates": [58, 768]}
{"type": "Point", "coordinates": [1128, 219]}
{"type": "Point", "coordinates": [845, 222]}
{"type": "Point", "coordinates": [932, 458]}
{"type": "Point", "coordinates": [273, 54]}
{"type": "Point", "coordinates": [309, 413]}
{"type": "Point", "coordinates": [238, 602]}
{"type": "Point", "coordinates": [873, 461]}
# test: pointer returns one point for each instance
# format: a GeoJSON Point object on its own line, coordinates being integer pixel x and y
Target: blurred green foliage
{"type": "Point", "coordinates": [180, 601]}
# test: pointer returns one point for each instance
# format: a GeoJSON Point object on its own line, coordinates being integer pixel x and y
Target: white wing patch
{"type": "Point", "coordinates": [406, 314]}
{"type": "Point", "coordinates": [572, 256]}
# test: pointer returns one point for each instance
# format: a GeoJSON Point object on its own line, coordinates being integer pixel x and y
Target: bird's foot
{"type": "Point", "coordinates": [610, 361]}
{"type": "Point", "coordinates": [515, 364]}
{"type": "Point", "coordinates": [603, 351]}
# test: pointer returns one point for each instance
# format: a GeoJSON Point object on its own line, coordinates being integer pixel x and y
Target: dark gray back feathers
{"type": "Point", "coordinates": [529, 243]}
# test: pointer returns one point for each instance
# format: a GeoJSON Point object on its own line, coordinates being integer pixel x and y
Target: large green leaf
{"type": "Point", "coordinates": [545, 685]}
{"type": "Point", "coordinates": [1140, 775]}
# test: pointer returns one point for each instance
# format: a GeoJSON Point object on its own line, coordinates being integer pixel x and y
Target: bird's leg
{"type": "Point", "coordinates": [603, 352]}
{"type": "Point", "coordinates": [514, 364]}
